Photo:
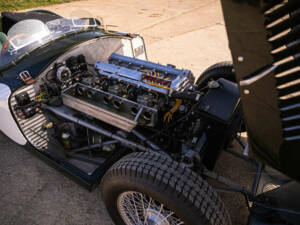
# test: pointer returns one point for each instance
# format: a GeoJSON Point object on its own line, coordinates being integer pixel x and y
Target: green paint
{"type": "Point", "coordinates": [13, 5]}
{"type": "Point", "coordinates": [3, 39]}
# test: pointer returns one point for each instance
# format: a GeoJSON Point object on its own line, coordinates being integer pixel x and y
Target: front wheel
{"type": "Point", "coordinates": [219, 70]}
{"type": "Point", "coordinates": [151, 189]}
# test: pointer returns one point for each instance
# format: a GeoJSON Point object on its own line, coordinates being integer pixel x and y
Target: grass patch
{"type": "Point", "coordinates": [13, 5]}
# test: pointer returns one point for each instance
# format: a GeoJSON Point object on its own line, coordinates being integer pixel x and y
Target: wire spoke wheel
{"type": "Point", "coordinates": [139, 209]}
{"type": "Point", "coordinates": [146, 188]}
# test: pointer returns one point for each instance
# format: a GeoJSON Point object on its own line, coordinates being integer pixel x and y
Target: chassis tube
{"type": "Point", "coordinates": [60, 112]}
{"type": "Point", "coordinates": [144, 139]}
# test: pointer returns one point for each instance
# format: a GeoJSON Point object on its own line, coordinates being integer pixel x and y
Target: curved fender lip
{"type": "Point", "coordinates": [7, 123]}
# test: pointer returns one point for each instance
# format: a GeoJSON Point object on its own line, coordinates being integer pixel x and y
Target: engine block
{"type": "Point", "coordinates": [126, 91]}
{"type": "Point", "coordinates": [112, 109]}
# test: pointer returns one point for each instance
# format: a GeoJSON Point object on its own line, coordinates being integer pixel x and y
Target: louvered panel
{"type": "Point", "coordinates": [32, 119]}
{"type": "Point", "coordinates": [43, 147]}
{"type": "Point", "coordinates": [278, 28]}
{"type": "Point", "coordinates": [290, 119]}
{"type": "Point", "coordinates": [277, 14]}
{"type": "Point", "coordinates": [35, 133]}
{"type": "Point", "coordinates": [271, 5]}
{"type": "Point", "coordinates": [39, 137]}
{"type": "Point", "coordinates": [290, 77]}
{"type": "Point", "coordinates": [31, 127]}
{"type": "Point", "coordinates": [36, 119]}
{"type": "Point", "coordinates": [34, 125]}
{"type": "Point", "coordinates": [36, 128]}
{"type": "Point", "coordinates": [282, 23]}
{"type": "Point", "coordinates": [289, 37]}
{"type": "Point", "coordinates": [288, 16]}
{"type": "Point", "coordinates": [36, 138]}
{"type": "Point", "coordinates": [288, 65]}
{"type": "Point", "coordinates": [269, 42]}
{"type": "Point", "coordinates": [290, 110]}
{"type": "Point", "coordinates": [289, 90]}
{"type": "Point", "coordinates": [291, 49]}
{"type": "Point", "coordinates": [290, 102]}
{"type": "Point", "coordinates": [280, 9]}
{"type": "Point", "coordinates": [42, 143]}
{"type": "Point", "coordinates": [291, 131]}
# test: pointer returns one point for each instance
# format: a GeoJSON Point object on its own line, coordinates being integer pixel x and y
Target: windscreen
{"type": "Point", "coordinates": [30, 34]}
{"type": "Point", "coordinates": [26, 32]}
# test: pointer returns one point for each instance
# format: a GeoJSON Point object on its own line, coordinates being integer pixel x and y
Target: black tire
{"type": "Point", "coordinates": [219, 70]}
{"type": "Point", "coordinates": [178, 188]}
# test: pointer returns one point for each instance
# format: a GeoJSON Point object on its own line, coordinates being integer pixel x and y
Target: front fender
{"type": "Point", "coordinates": [7, 123]}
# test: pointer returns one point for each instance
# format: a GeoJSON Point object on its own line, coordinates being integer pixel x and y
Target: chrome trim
{"type": "Point", "coordinates": [257, 77]}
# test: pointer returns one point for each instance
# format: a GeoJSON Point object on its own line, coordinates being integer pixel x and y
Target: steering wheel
{"type": "Point", "coordinates": [7, 43]}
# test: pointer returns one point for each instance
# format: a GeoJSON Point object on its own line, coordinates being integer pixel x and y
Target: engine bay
{"type": "Point", "coordinates": [87, 112]}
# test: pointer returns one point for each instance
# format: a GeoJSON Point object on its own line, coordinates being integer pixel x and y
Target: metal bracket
{"type": "Point", "coordinates": [26, 77]}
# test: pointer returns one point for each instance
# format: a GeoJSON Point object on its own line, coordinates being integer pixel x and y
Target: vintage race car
{"type": "Point", "coordinates": [87, 100]}
{"type": "Point", "coordinates": [84, 97]}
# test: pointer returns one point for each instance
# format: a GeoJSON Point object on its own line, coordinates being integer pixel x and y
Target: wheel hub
{"type": "Point", "coordinates": [154, 217]}
{"type": "Point", "coordinates": [136, 208]}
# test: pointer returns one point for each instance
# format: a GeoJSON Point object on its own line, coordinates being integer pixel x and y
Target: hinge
{"type": "Point", "coordinates": [26, 77]}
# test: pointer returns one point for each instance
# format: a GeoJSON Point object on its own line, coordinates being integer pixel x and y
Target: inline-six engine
{"type": "Point", "coordinates": [128, 91]}
{"type": "Point", "coordinates": [83, 107]}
